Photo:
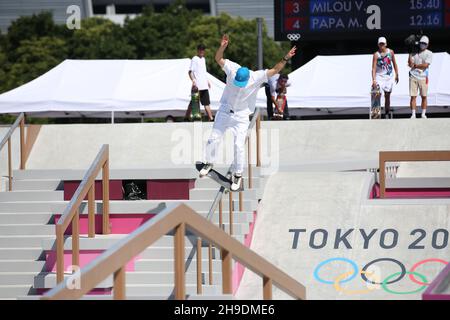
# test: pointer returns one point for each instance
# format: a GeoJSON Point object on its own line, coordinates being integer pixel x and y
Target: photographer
{"type": "Point", "coordinates": [418, 76]}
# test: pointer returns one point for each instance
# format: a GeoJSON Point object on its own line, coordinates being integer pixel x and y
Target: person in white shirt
{"type": "Point", "coordinates": [278, 88]}
{"type": "Point", "coordinates": [383, 66]}
{"type": "Point", "coordinates": [236, 105]}
{"type": "Point", "coordinates": [418, 76]}
{"type": "Point", "coordinates": [199, 77]}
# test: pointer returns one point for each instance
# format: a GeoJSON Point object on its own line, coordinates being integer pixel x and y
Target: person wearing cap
{"type": "Point", "coordinates": [418, 76]}
{"type": "Point", "coordinates": [383, 65]}
{"type": "Point", "coordinates": [199, 77]}
{"type": "Point", "coordinates": [278, 86]}
{"type": "Point", "coordinates": [236, 105]}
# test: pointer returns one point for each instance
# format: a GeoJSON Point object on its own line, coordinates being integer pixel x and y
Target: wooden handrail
{"type": "Point", "coordinates": [407, 156]}
{"type": "Point", "coordinates": [178, 218]}
{"type": "Point", "coordinates": [20, 122]}
{"type": "Point", "coordinates": [72, 211]}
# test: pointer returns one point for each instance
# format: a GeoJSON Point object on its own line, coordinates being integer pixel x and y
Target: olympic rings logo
{"type": "Point", "coordinates": [294, 36]}
{"type": "Point", "coordinates": [372, 279]}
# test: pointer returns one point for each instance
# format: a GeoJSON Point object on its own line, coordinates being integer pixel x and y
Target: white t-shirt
{"type": "Point", "coordinates": [273, 84]}
{"type": "Point", "coordinates": [241, 100]}
{"type": "Point", "coordinates": [425, 56]}
{"type": "Point", "coordinates": [198, 68]}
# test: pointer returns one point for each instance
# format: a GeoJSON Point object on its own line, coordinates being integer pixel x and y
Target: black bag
{"type": "Point", "coordinates": [132, 192]}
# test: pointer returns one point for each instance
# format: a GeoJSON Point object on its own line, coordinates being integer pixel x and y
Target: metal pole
{"type": "Point", "coordinates": [22, 143]}
{"type": "Point", "coordinates": [213, 7]}
{"type": "Point", "coordinates": [259, 22]}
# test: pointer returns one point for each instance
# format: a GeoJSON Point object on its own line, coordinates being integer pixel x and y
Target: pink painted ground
{"type": "Point", "coordinates": [415, 193]}
{"type": "Point", "coordinates": [119, 223]}
{"type": "Point", "coordinates": [239, 269]}
{"type": "Point", "coordinates": [86, 256]}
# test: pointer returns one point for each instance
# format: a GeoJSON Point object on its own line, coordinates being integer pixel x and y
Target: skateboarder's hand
{"type": "Point", "coordinates": [374, 83]}
{"type": "Point", "coordinates": [225, 41]}
{"type": "Point", "coordinates": [292, 52]}
{"type": "Point", "coordinates": [396, 79]}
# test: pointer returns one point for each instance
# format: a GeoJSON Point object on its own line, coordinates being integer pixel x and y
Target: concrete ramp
{"type": "Point", "coordinates": [322, 229]}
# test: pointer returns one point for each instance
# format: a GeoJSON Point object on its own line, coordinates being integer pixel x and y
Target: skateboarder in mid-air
{"type": "Point", "coordinates": [236, 105]}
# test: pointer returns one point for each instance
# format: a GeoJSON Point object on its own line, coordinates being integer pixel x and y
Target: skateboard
{"type": "Point", "coordinates": [196, 115]}
{"type": "Point", "coordinates": [375, 106]}
{"type": "Point", "coordinates": [280, 105]}
{"type": "Point", "coordinates": [218, 177]}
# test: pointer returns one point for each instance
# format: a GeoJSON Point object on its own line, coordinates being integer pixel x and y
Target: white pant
{"type": "Point", "coordinates": [238, 123]}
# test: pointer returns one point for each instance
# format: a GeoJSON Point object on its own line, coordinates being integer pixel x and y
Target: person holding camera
{"type": "Point", "coordinates": [383, 65]}
{"type": "Point", "coordinates": [418, 76]}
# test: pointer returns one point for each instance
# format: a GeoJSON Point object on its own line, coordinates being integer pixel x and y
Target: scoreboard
{"type": "Point", "coordinates": [348, 19]}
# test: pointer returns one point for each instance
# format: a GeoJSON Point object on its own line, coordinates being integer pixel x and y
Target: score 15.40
{"type": "Point", "coordinates": [424, 4]}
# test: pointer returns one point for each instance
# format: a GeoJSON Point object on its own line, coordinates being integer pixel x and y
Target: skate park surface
{"type": "Point", "coordinates": [331, 201]}
{"type": "Point", "coordinates": [317, 179]}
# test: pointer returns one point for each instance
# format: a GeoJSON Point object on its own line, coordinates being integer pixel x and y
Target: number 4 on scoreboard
{"type": "Point", "coordinates": [296, 24]}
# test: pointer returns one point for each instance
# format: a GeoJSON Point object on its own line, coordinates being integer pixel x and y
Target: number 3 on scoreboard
{"type": "Point", "coordinates": [296, 8]}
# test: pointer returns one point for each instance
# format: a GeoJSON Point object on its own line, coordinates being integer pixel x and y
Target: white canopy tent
{"type": "Point", "coordinates": [154, 88]}
{"type": "Point", "coordinates": [343, 83]}
{"type": "Point", "coordinates": [99, 87]}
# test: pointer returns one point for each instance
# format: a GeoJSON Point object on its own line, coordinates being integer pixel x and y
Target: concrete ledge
{"type": "Point", "coordinates": [180, 172]}
{"type": "Point", "coordinates": [418, 183]}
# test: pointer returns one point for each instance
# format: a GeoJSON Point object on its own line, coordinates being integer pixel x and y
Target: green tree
{"type": "Point", "coordinates": [243, 42]}
{"type": "Point", "coordinates": [30, 27]}
{"type": "Point", "coordinates": [99, 38]}
{"type": "Point", "coordinates": [161, 35]}
{"type": "Point", "coordinates": [3, 62]}
{"type": "Point", "coordinates": [35, 57]}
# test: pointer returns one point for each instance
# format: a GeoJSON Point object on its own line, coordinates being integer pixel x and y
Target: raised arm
{"type": "Point", "coordinates": [280, 65]}
{"type": "Point", "coordinates": [219, 53]}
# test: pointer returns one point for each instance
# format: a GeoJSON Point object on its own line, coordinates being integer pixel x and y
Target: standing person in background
{"type": "Point", "coordinates": [383, 65]}
{"type": "Point", "coordinates": [418, 76]}
{"type": "Point", "coordinates": [272, 87]}
{"type": "Point", "coordinates": [278, 90]}
{"type": "Point", "coordinates": [199, 77]}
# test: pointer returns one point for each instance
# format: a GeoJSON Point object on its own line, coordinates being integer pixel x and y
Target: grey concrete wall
{"type": "Point", "coordinates": [333, 201]}
{"type": "Point", "coordinates": [282, 143]}
{"type": "Point", "coordinates": [132, 146]}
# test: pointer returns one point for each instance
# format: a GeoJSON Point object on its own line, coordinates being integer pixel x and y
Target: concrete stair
{"type": "Point", "coordinates": [32, 196]}
{"type": "Point", "coordinates": [48, 280]}
{"type": "Point", "coordinates": [120, 206]}
{"type": "Point", "coordinates": [27, 232]}
{"type": "Point", "coordinates": [144, 297]}
{"type": "Point", "coordinates": [26, 218]}
{"type": "Point", "coordinates": [37, 184]}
